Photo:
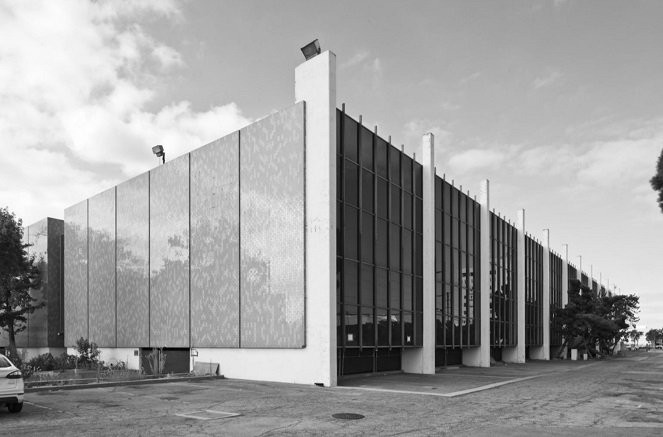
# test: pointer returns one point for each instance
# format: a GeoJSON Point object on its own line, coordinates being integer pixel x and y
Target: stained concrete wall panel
{"type": "Point", "coordinates": [215, 244]}
{"type": "Point", "coordinates": [133, 293]}
{"type": "Point", "coordinates": [38, 321]}
{"type": "Point", "coordinates": [101, 275]}
{"type": "Point", "coordinates": [75, 269]}
{"type": "Point", "coordinates": [169, 254]}
{"type": "Point", "coordinates": [272, 231]}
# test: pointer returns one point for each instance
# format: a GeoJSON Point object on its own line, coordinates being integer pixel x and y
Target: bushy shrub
{"type": "Point", "coordinates": [88, 352]}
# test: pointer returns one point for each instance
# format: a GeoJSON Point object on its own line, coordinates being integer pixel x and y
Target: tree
{"type": "Point", "coordinates": [595, 322]}
{"type": "Point", "coordinates": [18, 274]}
{"type": "Point", "coordinates": [657, 181]}
{"type": "Point", "coordinates": [654, 335]}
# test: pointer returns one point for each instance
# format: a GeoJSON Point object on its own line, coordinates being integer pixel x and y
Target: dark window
{"type": "Point", "coordinates": [351, 183]}
{"type": "Point", "coordinates": [366, 148]}
{"type": "Point", "coordinates": [350, 138]}
{"type": "Point", "coordinates": [350, 228]}
{"type": "Point", "coordinates": [367, 191]}
{"type": "Point", "coordinates": [367, 238]}
{"type": "Point", "coordinates": [394, 165]}
{"type": "Point", "coordinates": [383, 198]}
{"type": "Point", "coordinates": [381, 152]}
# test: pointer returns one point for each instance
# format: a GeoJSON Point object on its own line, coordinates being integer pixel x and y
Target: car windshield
{"type": "Point", "coordinates": [4, 362]}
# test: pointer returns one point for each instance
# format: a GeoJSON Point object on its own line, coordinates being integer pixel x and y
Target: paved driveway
{"type": "Point", "coordinates": [614, 397]}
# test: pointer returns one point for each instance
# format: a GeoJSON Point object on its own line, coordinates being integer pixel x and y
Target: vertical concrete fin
{"type": "Point", "coordinates": [315, 83]}
{"type": "Point", "coordinates": [422, 360]}
{"type": "Point", "coordinates": [480, 356]}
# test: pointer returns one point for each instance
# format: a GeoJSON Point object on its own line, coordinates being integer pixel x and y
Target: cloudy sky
{"type": "Point", "coordinates": [558, 103]}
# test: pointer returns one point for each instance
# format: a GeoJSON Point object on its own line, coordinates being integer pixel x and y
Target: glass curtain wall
{"type": "Point", "coordinates": [379, 250]}
{"type": "Point", "coordinates": [457, 240]}
{"type": "Point", "coordinates": [572, 274]}
{"type": "Point", "coordinates": [555, 298]}
{"type": "Point", "coordinates": [533, 292]}
{"type": "Point", "coordinates": [503, 285]}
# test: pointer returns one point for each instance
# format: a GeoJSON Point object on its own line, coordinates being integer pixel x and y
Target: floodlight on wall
{"type": "Point", "coordinates": [311, 49]}
{"type": "Point", "coordinates": [158, 150]}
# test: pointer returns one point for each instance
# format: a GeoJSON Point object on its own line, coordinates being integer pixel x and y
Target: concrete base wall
{"type": "Point", "coordinates": [280, 365]}
{"type": "Point", "coordinates": [113, 355]}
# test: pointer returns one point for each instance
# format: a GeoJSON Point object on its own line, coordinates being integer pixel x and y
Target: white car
{"type": "Point", "coordinates": [11, 385]}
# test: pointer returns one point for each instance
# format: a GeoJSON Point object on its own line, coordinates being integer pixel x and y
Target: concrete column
{"type": "Point", "coordinates": [565, 275]}
{"type": "Point", "coordinates": [422, 360]}
{"type": "Point", "coordinates": [543, 352]}
{"type": "Point", "coordinates": [517, 354]}
{"type": "Point", "coordinates": [579, 271]}
{"type": "Point", "coordinates": [315, 83]}
{"type": "Point", "coordinates": [480, 356]}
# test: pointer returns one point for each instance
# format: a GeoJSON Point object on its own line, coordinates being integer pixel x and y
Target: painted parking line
{"type": "Point", "coordinates": [37, 405]}
{"type": "Point", "coordinates": [207, 415]}
{"type": "Point", "coordinates": [444, 395]}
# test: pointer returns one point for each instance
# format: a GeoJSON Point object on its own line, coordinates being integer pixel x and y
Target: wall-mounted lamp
{"type": "Point", "coordinates": [158, 150]}
{"type": "Point", "coordinates": [311, 49]}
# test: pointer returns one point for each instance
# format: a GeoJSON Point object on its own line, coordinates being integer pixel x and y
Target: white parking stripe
{"type": "Point", "coordinates": [37, 405]}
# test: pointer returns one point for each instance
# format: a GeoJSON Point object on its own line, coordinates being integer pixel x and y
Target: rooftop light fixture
{"type": "Point", "coordinates": [158, 150]}
{"type": "Point", "coordinates": [311, 50]}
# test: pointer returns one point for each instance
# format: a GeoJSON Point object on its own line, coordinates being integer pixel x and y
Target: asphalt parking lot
{"type": "Point", "coordinates": [621, 396]}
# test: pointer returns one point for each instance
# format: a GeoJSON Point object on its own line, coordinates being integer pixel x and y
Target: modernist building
{"type": "Point", "coordinates": [304, 247]}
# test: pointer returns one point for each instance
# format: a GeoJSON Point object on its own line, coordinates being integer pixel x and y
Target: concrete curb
{"type": "Point", "coordinates": [120, 383]}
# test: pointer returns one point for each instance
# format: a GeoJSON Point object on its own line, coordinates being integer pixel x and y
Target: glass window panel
{"type": "Point", "coordinates": [418, 179]}
{"type": "Point", "coordinates": [447, 229]}
{"type": "Point", "coordinates": [351, 236]}
{"type": "Point", "coordinates": [366, 285]}
{"type": "Point", "coordinates": [407, 173]}
{"type": "Point", "coordinates": [383, 327]}
{"type": "Point", "coordinates": [367, 238]}
{"type": "Point", "coordinates": [339, 133]}
{"type": "Point", "coordinates": [463, 206]}
{"type": "Point", "coordinates": [446, 197]}
{"type": "Point", "coordinates": [394, 247]}
{"type": "Point", "coordinates": [350, 276]}
{"type": "Point", "coordinates": [366, 148]}
{"type": "Point", "coordinates": [407, 251]}
{"type": "Point", "coordinates": [454, 202]}
{"type": "Point", "coordinates": [418, 293]}
{"type": "Point", "coordinates": [381, 287]}
{"type": "Point", "coordinates": [395, 204]}
{"type": "Point", "coordinates": [383, 199]}
{"type": "Point", "coordinates": [394, 165]}
{"type": "Point", "coordinates": [351, 326]}
{"type": "Point", "coordinates": [447, 264]}
{"type": "Point", "coordinates": [463, 236]}
{"type": "Point", "coordinates": [367, 327]}
{"type": "Point", "coordinates": [407, 292]}
{"type": "Point", "coordinates": [408, 329]}
{"type": "Point", "coordinates": [396, 329]}
{"type": "Point", "coordinates": [339, 178]}
{"type": "Point", "coordinates": [438, 259]}
{"type": "Point", "coordinates": [407, 210]}
{"type": "Point", "coordinates": [394, 290]}
{"type": "Point", "coordinates": [367, 191]}
{"type": "Point", "coordinates": [438, 193]}
{"type": "Point", "coordinates": [454, 269]}
{"type": "Point", "coordinates": [454, 233]}
{"type": "Point", "coordinates": [381, 153]}
{"type": "Point", "coordinates": [350, 138]}
{"type": "Point", "coordinates": [351, 183]}
{"type": "Point", "coordinates": [381, 243]}
{"type": "Point", "coordinates": [438, 225]}
{"type": "Point", "coordinates": [419, 215]}
{"type": "Point", "coordinates": [419, 253]}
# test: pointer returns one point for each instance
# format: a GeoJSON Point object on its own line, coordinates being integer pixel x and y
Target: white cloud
{"type": "Point", "coordinates": [75, 79]}
{"type": "Point", "coordinates": [544, 81]}
{"type": "Point", "coordinates": [475, 159]}
{"type": "Point", "coordinates": [356, 59]}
